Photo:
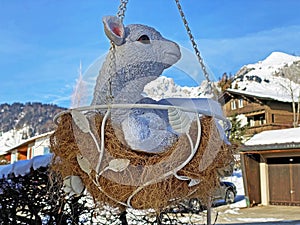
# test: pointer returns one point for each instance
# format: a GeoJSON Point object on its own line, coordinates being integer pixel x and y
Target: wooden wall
{"type": "Point", "coordinates": [284, 180]}
{"type": "Point", "coordinates": [277, 115]}
{"type": "Point", "coordinates": [251, 176]}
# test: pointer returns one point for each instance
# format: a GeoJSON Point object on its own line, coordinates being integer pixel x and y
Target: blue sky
{"type": "Point", "coordinates": [43, 41]}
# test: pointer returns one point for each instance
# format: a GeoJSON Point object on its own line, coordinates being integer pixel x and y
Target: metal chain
{"type": "Point", "coordinates": [122, 9]}
{"type": "Point", "coordinates": [112, 64]}
{"type": "Point", "coordinates": [200, 60]}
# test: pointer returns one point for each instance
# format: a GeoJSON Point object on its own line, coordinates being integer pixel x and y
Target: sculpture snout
{"type": "Point", "coordinates": [171, 53]}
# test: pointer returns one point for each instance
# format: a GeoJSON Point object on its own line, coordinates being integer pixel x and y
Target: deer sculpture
{"type": "Point", "coordinates": [139, 55]}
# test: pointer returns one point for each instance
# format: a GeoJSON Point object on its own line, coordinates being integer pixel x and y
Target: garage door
{"type": "Point", "coordinates": [284, 180]}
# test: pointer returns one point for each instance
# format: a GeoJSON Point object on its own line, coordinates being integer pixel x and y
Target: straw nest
{"type": "Point", "coordinates": [147, 181]}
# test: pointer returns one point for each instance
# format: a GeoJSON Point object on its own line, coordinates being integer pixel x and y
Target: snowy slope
{"type": "Point", "coordinates": [264, 78]}
{"type": "Point", "coordinates": [164, 87]}
{"type": "Point", "coordinates": [11, 138]}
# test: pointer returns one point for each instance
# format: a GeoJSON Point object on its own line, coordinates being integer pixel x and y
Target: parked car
{"type": "Point", "coordinates": [226, 192]}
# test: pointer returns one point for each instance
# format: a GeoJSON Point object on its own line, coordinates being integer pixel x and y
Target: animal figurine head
{"type": "Point", "coordinates": [140, 54]}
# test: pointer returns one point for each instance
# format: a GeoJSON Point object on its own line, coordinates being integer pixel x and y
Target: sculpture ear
{"type": "Point", "coordinates": [114, 29]}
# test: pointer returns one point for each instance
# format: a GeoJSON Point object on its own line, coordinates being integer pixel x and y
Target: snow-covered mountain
{"type": "Point", "coordinates": [276, 76]}
{"type": "Point", "coordinates": [164, 87]}
{"type": "Point", "coordinates": [272, 77]}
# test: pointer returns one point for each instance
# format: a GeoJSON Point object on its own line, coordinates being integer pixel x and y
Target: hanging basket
{"type": "Point", "coordinates": [87, 144]}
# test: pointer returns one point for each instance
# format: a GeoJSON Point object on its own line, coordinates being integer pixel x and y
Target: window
{"type": "Point", "coordinates": [233, 105]}
{"type": "Point", "coordinates": [262, 120]}
{"type": "Point", "coordinates": [273, 118]}
{"type": "Point", "coordinates": [251, 121]}
{"type": "Point", "coordinates": [241, 103]}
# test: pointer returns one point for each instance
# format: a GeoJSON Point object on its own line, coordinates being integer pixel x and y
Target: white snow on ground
{"type": "Point", "coordinates": [252, 220]}
{"type": "Point", "coordinates": [237, 179]}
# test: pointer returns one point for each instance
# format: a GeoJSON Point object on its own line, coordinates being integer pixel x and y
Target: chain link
{"type": "Point", "coordinates": [112, 64]}
{"type": "Point", "coordinates": [200, 60]}
{"type": "Point", "coordinates": [122, 9]}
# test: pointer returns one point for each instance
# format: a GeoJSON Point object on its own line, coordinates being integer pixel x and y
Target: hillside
{"type": "Point", "coordinates": [21, 121]}
{"type": "Point", "coordinates": [37, 116]}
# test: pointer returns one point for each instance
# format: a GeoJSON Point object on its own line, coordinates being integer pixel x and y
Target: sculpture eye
{"type": "Point", "coordinates": [144, 39]}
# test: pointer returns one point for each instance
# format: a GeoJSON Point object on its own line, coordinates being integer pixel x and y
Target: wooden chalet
{"type": "Point", "coordinates": [271, 167]}
{"type": "Point", "coordinates": [38, 145]}
{"type": "Point", "coordinates": [261, 112]}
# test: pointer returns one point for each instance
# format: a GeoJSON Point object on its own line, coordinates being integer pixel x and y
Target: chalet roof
{"type": "Point", "coordinates": [263, 96]}
{"type": "Point", "coordinates": [274, 139]}
{"type": "Point", "coordinates": [25, 142]}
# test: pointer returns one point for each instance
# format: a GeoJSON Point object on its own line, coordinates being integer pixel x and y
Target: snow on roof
{"type": "Point", "coordinates": [22, 167]}
{"type": "Point", "coordinates": [291, 135]}
{"type": "Point", "coordinates": [279, 97]}
{"type": "Point", "coordinates": [25, 141]}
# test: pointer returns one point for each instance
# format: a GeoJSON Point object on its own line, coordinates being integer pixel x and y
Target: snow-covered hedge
{"type": "Point", "coordinates": [28, 195]}
{"type": "Point", "coordinates": [31, 194]}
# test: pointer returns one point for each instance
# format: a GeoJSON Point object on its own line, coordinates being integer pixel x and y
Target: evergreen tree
{"type": "Point", "coordinates": [237, 133]}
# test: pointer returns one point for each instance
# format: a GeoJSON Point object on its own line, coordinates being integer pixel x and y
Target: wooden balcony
{"type": "Point", "coordinates": [259, 128]}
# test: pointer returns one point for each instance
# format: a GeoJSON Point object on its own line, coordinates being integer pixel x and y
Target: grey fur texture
{"type": "Point", "coordinates": [140, 55]}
